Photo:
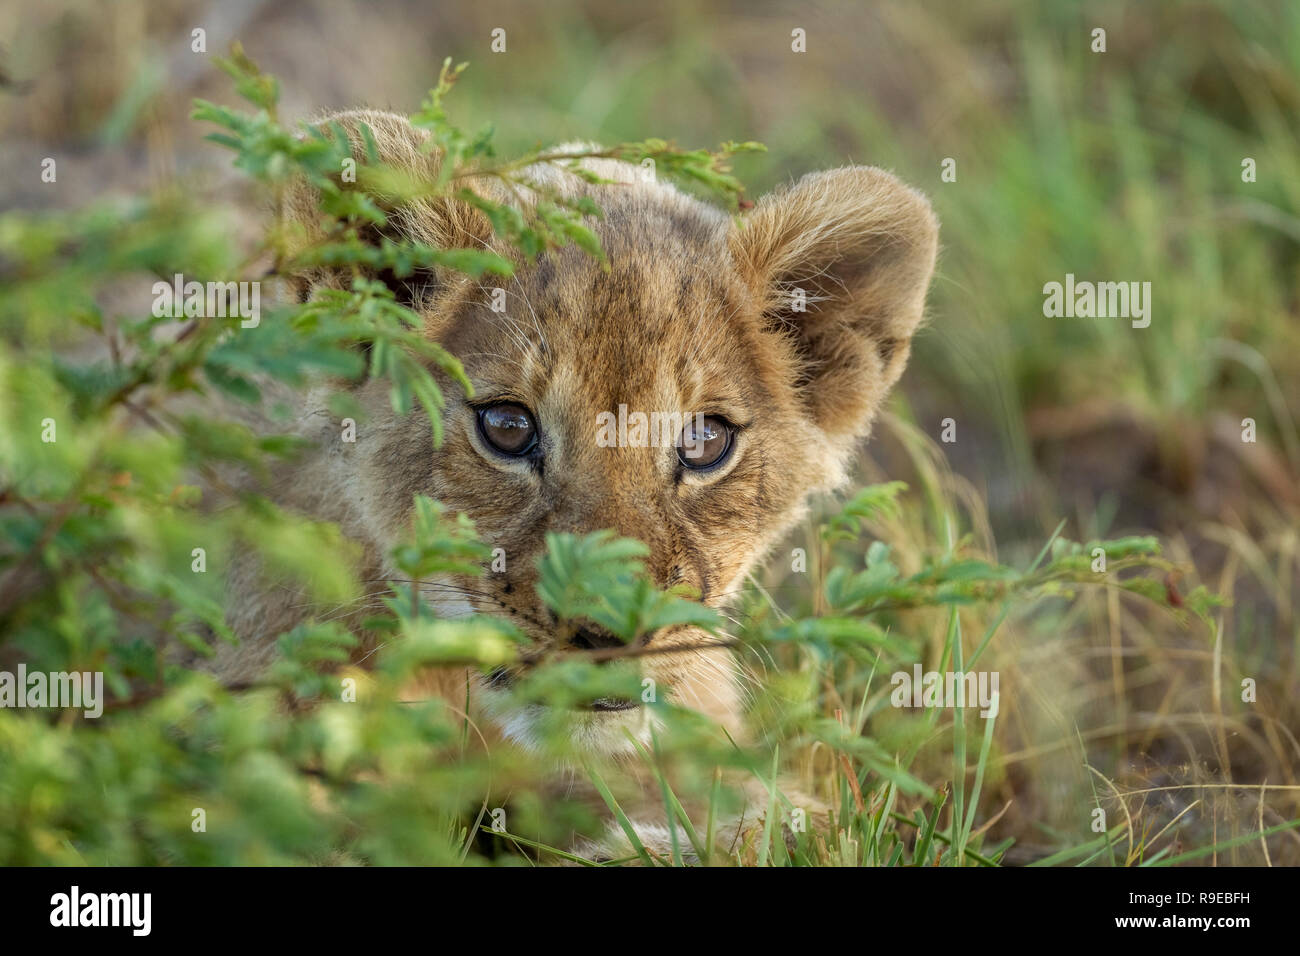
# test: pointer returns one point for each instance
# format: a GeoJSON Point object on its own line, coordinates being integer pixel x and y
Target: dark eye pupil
{"type": "Point", "coordinates": [508, 428]}
{"type": "Point", "coordinates": [704, 443]}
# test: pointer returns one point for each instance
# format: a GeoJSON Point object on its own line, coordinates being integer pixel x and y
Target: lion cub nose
{"type": "Point", "coordinates": [591, 638]}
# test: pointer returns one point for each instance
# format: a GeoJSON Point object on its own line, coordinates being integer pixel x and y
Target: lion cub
{"type": "Point", "coordinates": [766, 343]}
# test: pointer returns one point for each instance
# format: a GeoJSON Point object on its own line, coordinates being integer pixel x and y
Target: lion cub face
{"type": "Point", "coordinates": [692, 395]}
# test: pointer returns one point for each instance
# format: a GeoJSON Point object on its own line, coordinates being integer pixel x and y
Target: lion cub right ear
{"type": "Point", "coordinates": [841, 261]}
{"type": "Point", "coordinates": [443, 223]}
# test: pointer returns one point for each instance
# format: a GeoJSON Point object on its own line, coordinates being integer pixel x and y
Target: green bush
{"type": "Point", "coordinates": [108, 487]}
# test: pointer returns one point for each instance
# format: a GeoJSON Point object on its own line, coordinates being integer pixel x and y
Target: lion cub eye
{"type": "Point", "coordinates": [507, 427]}
{"type": "Point", "coordinates": [705, 442]}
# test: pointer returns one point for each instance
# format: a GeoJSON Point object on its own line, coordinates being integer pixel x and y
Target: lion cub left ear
{"type": "Point", "coordinates": [841, 261]}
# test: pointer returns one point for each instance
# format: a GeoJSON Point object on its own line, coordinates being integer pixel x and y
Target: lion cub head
{"type": "Point", "coordinates": [693, 394]}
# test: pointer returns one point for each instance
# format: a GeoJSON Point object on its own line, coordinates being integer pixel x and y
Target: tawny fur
{"type": "Point", "coordinates": [694, 315]}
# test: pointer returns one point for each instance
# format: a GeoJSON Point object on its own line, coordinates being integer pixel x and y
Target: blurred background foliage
{"type": "Point", "coordinates": [1117, 166]}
